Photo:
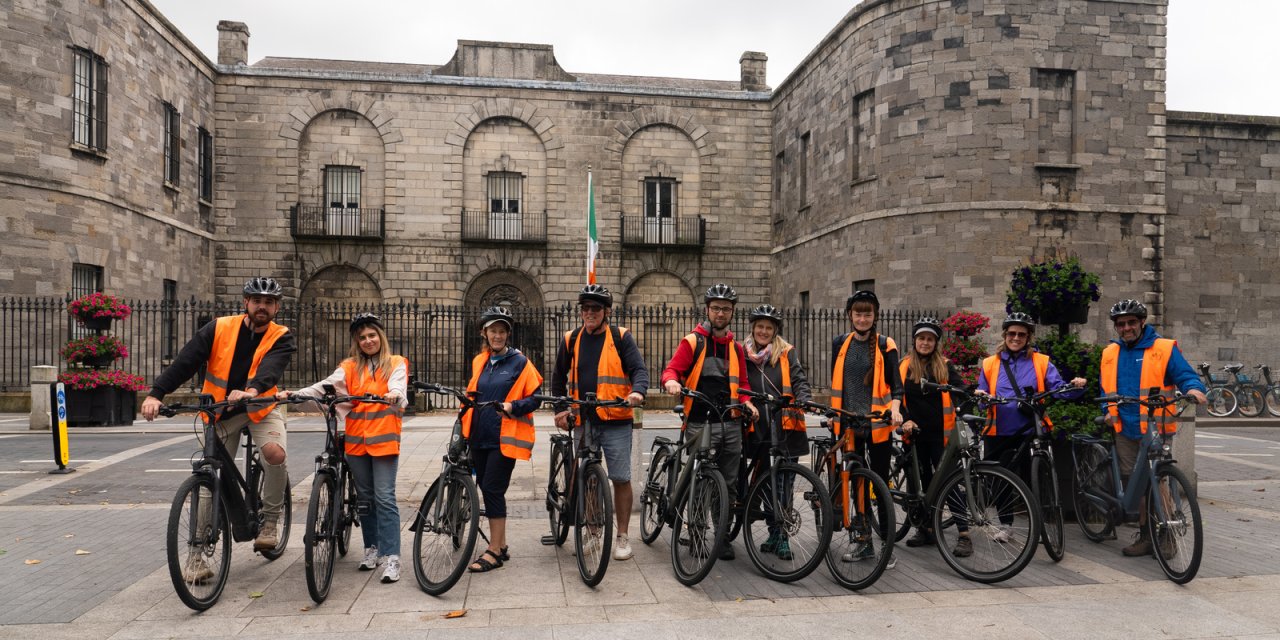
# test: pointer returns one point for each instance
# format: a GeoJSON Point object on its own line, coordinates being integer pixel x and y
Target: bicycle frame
{"type": "Point", "coordinates": [1154, 451]}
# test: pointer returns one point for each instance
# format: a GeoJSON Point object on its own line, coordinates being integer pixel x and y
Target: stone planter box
{"type": "Point", "coordinates": [96, 324]}
{"type": "Point", "coordinates": [100, 406]}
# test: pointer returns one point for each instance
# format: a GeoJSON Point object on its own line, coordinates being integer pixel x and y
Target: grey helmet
{"type": "Point", "coordinates": [1129, 308]}
{"type": "Point", "coordinates": [1018, 317]}
{"type": "Point", "coordinates": [263, 287]}
{"type": "Point", "coordinates": [720, 292]}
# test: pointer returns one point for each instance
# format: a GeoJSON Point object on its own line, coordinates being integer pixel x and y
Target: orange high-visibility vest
{"type": "Point", "coordinates": [1154, 363]}
{"type": "Point", "coordinates": [991, 369]}
{"type": "Point", "coordinates": [372, 429]}
{"type": "Point", "coordinates": [691, 381]}
{"type": "Point", "coordinates": [948, 411]}
{"type": "Point", "coordinates": [225, 333]}
{"type": "Point", "coordinates": [881, 394]}
{"type": "Point", "coordinates": [515, 439]}
{"type": "Point", "coordinates": [792, 418]}
{"type": "Point", "coordinates": [611, 381]}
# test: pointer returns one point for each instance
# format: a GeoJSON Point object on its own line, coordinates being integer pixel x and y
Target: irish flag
{"type": "Point", "coordinates": [593, 239]}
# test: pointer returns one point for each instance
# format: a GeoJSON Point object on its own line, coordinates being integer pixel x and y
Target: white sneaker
{"type": "Point", "coordinates": [391, 573]}
{"type": "Point", "coordinates": [1000, 535]}
{"type": "Point", "coordinates": [371, 559]}
{"type": "Point", "coordinates": [622, 548]}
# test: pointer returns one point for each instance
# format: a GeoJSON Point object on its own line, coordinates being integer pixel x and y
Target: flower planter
{"type": "Point", "coordinates": [101, 406]}
{"type": "Point", "coordinates": [95, 324]}
{"type": "Point", "coordinates": [1078, 314]}
{"type": "Point", "coordinates": [98, 361]}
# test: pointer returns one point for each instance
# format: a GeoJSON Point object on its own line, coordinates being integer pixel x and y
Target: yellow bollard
{"type": "Point", "coordinates": [61, 450]}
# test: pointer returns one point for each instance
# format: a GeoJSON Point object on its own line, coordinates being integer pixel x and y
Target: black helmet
{"type": "Point", "coordinates": [263, 287]}
{"type": "Point", "coordinates": [363, 319]}
{"type": "Point", "coordinates": [496, 314]}
{"type": "Point", "coordinates": [1018, 317]}
{"type": "Point", "coordinates": [720, 292]}
{"type": "Point", "coordinates": [861, 296]}
{"type": "Point", "coordinates": [767, 311]}
{"type": "Point", "coordinates": [596, 293]}
{"type": "Point", "coordinates": [1129, 308]}
{"type": "Point", "coordinates": [927, 323]}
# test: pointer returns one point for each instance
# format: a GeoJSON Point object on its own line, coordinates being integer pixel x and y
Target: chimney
{"type": "Point", "coordinates": [233, 43]}
{"type": "Point", "coordinates": [753, 64]}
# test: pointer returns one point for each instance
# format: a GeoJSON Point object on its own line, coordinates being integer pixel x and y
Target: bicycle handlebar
{"type": "Point", "coordinates": [777, 401]}
{"type": "Point", "coordinates": [832, 412]}
{"type": "Point", "coordinates": [721, 408]}
{"type": "Point", "coordinates": [1151, 401]}
{"type": "Point", "coordinates": [562, 401]}
{"type": "Point", "coordinates": [170, 410]}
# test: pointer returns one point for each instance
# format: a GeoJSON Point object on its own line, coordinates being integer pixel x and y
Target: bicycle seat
{"type": "Point", "coordinates": [557, 438]}
{"type": "Point", "coordinates": [1234, 367]}
{"type": "Point", "coordinates": [663, 440]}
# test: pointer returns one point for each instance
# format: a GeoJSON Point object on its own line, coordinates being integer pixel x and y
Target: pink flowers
{"type": "Point", "coordinates": [94, 347]}
{"type": "Point", "coordinates": [91, 379]}
{"type": "Point", "coordinates": [965, 350]}
{"type": "Point", "coordinates": [99, 305]}
{"type": "Point", "coordinates": [966, 324]}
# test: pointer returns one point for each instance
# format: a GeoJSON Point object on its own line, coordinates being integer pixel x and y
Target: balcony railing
{"type": "Point", "coordinates": [318, 221]}
{"type": "Point", "coordinates": [680, 232]}
{"type": "Point", "coordinates": [509, 228]}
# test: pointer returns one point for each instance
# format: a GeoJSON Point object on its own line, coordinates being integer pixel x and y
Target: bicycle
{"type": "Point", "coordinates": [970, 498]}
{"type": "Point", "coordinates": [786, 517]}
{"type": "Point", "coordinates": [215, 506]}
{"type": "Point", "coordinates": [1103, 500]}
{"type": "Point", "coordinates": [862, 520]}
{"type": "Point", "coordinates": [1272, 396]}
{"type": "Point", "coordinates": [447, 523]}
{"type": "Point", "coordinates": [1229, 395]}
{"type": "Point", "coordinates": [691, 496]}
{"type": "Point", "coordinates": [580, 494]}
{"type": "Point", "coordinates": [332, 511]}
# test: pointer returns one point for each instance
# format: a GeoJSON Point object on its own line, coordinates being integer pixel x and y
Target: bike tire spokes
{"type": "Point", "coordinates": [447, 527]}
{"type": "Point", "coordinates": [860, 551]}
{"type": "Point", "coordinates": [787, 522]}
{"type": "Point", "coordinates": [999, 517]}
{"type": "Point", "coordinates": [198, 550]}
{"type": "Point", "coordinates": [1174, 525]}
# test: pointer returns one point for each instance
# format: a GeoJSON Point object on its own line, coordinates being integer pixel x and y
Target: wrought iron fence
{"type": "Point", "coordinates": [676, 231]}
{"type": "Point", "coordinates": [318, 221]}
{"type": "Point", "coordinates": [528, 227]}
{"type": "Point", "coordinates": [439, 341]}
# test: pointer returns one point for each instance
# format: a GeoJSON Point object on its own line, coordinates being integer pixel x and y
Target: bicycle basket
{"type": "Point", "coordinates": [1219, 378]}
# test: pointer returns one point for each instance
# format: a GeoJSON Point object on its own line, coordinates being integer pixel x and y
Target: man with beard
{"type": "Point", "coordinates": [244, 356]}
{"type": "Point", "coordinates": [709, 361]}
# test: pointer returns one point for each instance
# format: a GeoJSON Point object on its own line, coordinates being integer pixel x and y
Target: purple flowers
{"type": "Point", "coordinates": [1047, 288]}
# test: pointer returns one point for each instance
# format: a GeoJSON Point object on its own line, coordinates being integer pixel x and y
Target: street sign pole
{"type": "Point", "coordinates": [61, 451]}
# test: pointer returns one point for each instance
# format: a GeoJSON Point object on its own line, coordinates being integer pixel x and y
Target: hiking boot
{"type": "Point", "coordinates": [268, 538]}
{"type": "Point", "coordinates": [727, 552]}
{"type": "Point", "coordinates": [864, 551]}
{"type": "Point", "coordinates": [783, 549]}
{"type": "Point", "coordinates": [1141, 546]}
{"type": "Point", "coordinates": [622, 547]}
{"type": "Point", "coordinates": [922, 538]}
{"type": "Point", "coordinates": [963, 548]}
{"type": "Point", "coordinates": [197, 569]}
{"type": "Point", "coordinates": [770, 544]}
{"type": "Point", "coordinates": [1167, 548]}
{"type": "Point", "coordinates": [391, 573]}
{"type": "Point", "coordinates": [371, 559]}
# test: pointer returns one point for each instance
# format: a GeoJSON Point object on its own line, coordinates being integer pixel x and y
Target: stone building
{"type": "Point", "coordinates": [924, 147]}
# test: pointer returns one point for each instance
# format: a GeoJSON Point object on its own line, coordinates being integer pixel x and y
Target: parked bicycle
{"type": "Point", "coordinates": [1103, 500]}
{"type": "Point", "coordinates": [447, 523]}
{"type": "Point", "coordinates": [862, 520]}
{"type": "Point", "coordinates": [984, 516]}
{"type": "Point", "coordinates": [332, 511]}
{"type": "Point", "coordinates": [1271, 397]}
{"type": "Point", "coordinates": [215, 506]}
{"type": "Point", "coordinates": [1232, 392]}
{"type": "Point", "coordinates": [579, 493]}
{"type": "Point", "coordinates": [685, 489]}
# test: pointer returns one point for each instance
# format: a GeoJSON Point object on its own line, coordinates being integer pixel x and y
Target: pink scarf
{"type": "Point", "coordinates": [759, 357]}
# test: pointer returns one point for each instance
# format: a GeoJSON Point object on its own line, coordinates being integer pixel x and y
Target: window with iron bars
{"type": "Point", "coordinates": [206, 164]}
{"type": "Point", "coordinates": [85, 279]}
{"type": "Point", "coordinates": [169, 320]}
{"type": "Point", "coordinates": [660, 198]}
{"type": "Point", "coordinates": [342, 197]}
{"type": "Point", "coordinates": [89, 100]}
{"type": "Point", "coordinates": [506, 190]}
{"type": "Point", "coordinates": [172, 144]}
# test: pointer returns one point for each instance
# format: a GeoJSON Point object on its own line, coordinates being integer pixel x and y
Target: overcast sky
{"type": "Point", "coordinates": [1222, 53]}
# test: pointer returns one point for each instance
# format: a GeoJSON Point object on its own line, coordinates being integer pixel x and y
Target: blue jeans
{"type": "Point", "coordinates": [375, 478]}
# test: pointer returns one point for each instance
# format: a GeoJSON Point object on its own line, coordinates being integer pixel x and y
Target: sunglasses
{"type": "Point", "coordinates": [1017, 334]}
{"type": "Point", "coordinates": [592, 308]}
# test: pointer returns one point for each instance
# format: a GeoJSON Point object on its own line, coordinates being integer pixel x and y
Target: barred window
{"type": "Point", "coordinates": [659, 197]}
{"type": "Point", "coordinates": [169, 320]}
{"type": "Point", "coordinates": [505, 191]}
{"type": "Point", "coordinates": [85, 279]}
{"type": "Point", "coordinates": [342, 197]}
{"type": "Point", "coordinates": [89, 99]}
{"type": "Point", "coordinates": [206, 164]}
{"type": "Point", "coordinates": [172, 144]}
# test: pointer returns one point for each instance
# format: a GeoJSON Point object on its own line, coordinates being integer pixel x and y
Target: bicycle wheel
{"type": "Point", "coordinates": [860, 550]}
{"type": "Point", "coordinates": [1092, 475]}
{"type": "Point", "coordinates": [1220, 402]}
{"type": "Point", "coordinates": [898, 487]}
{"type": "Point", "coordinates": [697, 533]}
{"type": "Point", "coordinates": [593, 531]}
{"type": "Point", "coordinates": [787, 522]}
{"type": "Point", "coordinates": [653, 498]}
{"type": "Point", "coordinates": [1175, 527]}
{"type": "Point", "coordinates": [1045, 489]}
{"type": "Point", "coordinates": [1002, 528]}
{"type": "Point", "coordinates": [319, 543]}
{"type": "Point", "coordinates": [558, 493]}
{"type": "Point", "coordinates": [448, 523]}
{"type": "Point", "coordinates": [1251, 402]}
{"type": "Point", "coordinates": [350, 517]}
{"type": "Point", "coordinates": [199, 556]}
{"type": "Point", "coordinates": [286, 519]}
{"type": "Point", "coordinates": [1272, 400]}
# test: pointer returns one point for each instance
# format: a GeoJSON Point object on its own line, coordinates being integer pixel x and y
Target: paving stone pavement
{"type": "Point", "coordinates": [121, 588]}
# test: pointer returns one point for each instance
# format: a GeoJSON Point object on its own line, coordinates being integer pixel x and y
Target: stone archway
{"type": "Point", "coordinates": [657, 328]}
{"type": "Point", "coordinates": [517, 291]}
{"type": "Point", "coordinates": [325, 305]}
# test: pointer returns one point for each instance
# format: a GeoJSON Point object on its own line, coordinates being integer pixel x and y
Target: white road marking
{"type": "Point", "coordinates": [1256, 455]}
{"type": "Point", "coordinates": [24, 490]}
{"type": "Point", "coordinates": [44, 460]}
{"type": "Point", "coordinates": [14, 472]}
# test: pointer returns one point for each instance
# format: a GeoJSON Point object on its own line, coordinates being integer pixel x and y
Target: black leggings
{"type": "Point", "coordinates": [493, 475]}
{"type": "Point", "coordinates": [880, 454]}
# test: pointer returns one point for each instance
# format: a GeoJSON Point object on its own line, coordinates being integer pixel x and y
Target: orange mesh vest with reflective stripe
{"type": "Point", "coordinates": [515, 440]}
{"type": "Point", "coordinates": [991, 369]}
{"type": "Point", "coordinates": [611, 381]}
{"type": "Point", "coordinates": [792, 418]}
{"type": "Point", "coordinates": [691, 381]}
{"type": "Point", "coordinates": [1154, 363]}
{"type": "Point", "coordinates": [948, 411]}
{"type": "Point", "coordinates": [881, 395]}
{"type": "Point", "coordinates": [372, 429]}
{"type": "Point", "coordinates": [225, 333]}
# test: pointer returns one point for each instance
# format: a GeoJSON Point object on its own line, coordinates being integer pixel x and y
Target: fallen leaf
{"type": "Point", "coordinates": [738, 600]}
{"type": "Point", "coordinates": [455, 614]}
{"type": "Point", "coordinates": [82, 552]}
{"type": "Point", "coordinates": [31, 561]}
{"type": "Point", "coordinates": [104, 502]}
{"type": "Point", "coordinates": [70, 535]}
{"type": "Point", "coordinates": [1262, 489]}
{"type": "Point", "coordinates": [2, 552]}
{"type": "Point", "coordinates": [1243, 520]}
{"type": "Point", "coordinates": [305, 609]}
{"type": "Point", "coordinates": [74, 491]}
{"type": "Point", "coordinates": [256, 594]}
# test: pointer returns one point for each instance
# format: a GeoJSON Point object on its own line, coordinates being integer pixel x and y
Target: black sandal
{"type": "Point", "coordinates": [504, 556]}
{"type": "Point", "coordinates": [482, 564]}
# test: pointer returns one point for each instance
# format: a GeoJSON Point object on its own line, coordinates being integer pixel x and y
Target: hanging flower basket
{"type": "Point", "coordinates": [95, 351]}
{"type": "Point", "coordinates": [966, 324]}
{"type": "Point", "coordinates": [1056, 291]}
{"type": "Point", "coordinates": [96, 310]}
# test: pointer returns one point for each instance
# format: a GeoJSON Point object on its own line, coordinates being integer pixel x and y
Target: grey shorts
{"type": "Point", "coordinates": [615, 442]}
{"type": "Point", "coordinates": [1127, 454]}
